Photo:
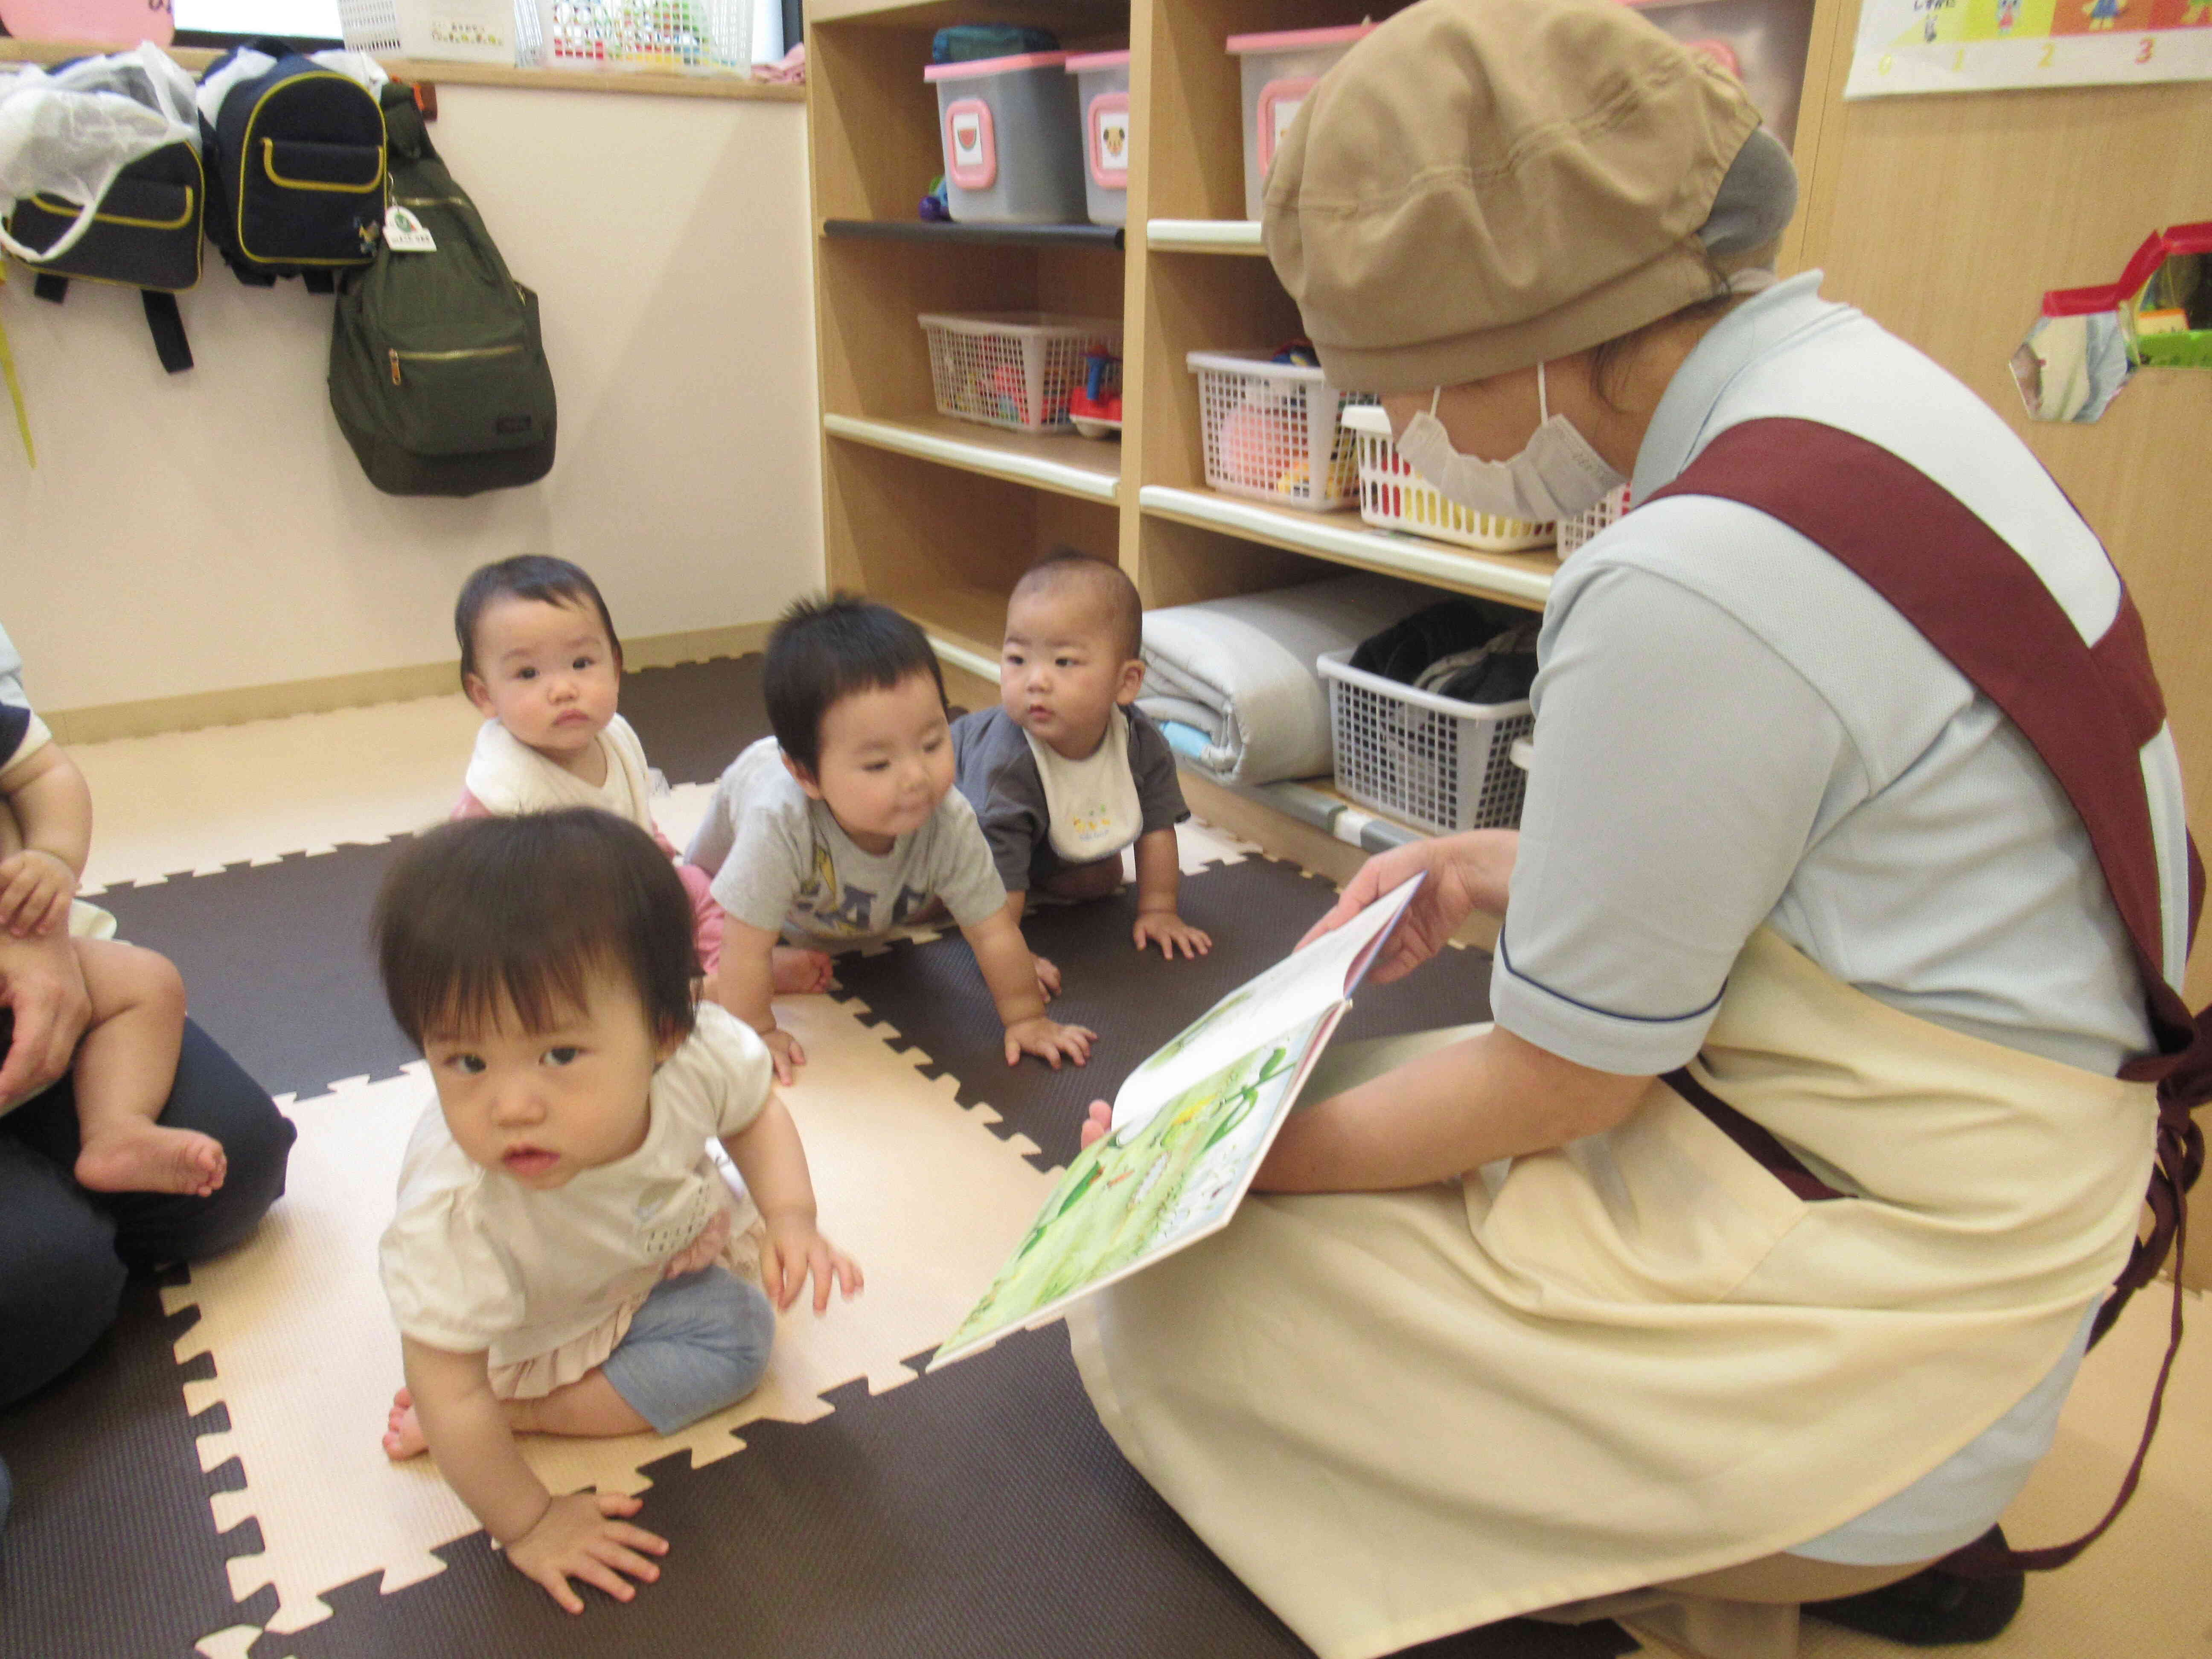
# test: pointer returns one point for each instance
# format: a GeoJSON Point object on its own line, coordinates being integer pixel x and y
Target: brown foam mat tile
{"type": "Point", "coordinates": [933, 995]}
{"type": "Point", "coordinates": [277, 964]}
{"type": "Point", "coordinates": [304, 1359]}
{"type": "Point", "coordinates": [108, 1550]}
{"type": "Point", "coordinates": [694, 717]}
{"type": "Point", "coordinates": [979, 1511]}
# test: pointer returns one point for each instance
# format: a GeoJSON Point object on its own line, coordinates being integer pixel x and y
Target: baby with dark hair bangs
{"type": "Point", "coordinates": [563, 1260]}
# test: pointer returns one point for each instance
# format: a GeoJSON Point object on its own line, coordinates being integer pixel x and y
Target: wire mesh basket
{"type": "Point", "coordinates": [1435, 763]}
{"type": "Point", "coordinates": [474, 30]}
{"type": "Point", "coordinates": [642, 35]}
{"type": "Point", "coordinates": [1273, 431]}
{"type": "Point", "coordinates": [1574, 532]}
{"type": "Point", "coordinates": [1394, 497]}
{"type": "Point", "coordinates": [1013, 368]}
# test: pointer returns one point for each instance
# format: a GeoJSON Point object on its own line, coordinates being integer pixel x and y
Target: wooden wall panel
{"type": "Point", "coordinates": [1945, 218]}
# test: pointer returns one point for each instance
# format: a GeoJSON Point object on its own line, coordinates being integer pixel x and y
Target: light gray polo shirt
{"type": "Point", "coordinates": [1733, 729]}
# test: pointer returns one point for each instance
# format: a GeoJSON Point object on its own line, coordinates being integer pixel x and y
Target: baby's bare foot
{"type": "Point", "coordinates": [403, 1429]}
{"type": "Point", "coordinates": [798, 973]}
{"type": "Point", "coordinates": [145, 1158]}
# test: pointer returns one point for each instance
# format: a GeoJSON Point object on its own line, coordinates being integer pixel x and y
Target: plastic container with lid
{"type": "Point", "coordinates": [1102, 81]}
{"type": "Point", "coordinates": [1013, 146]}
{"type": "Point", "coordinates": [1280, 69]}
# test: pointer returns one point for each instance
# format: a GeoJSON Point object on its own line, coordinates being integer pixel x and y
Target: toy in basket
{"type": "Point", "coordinates": [1095, 406]}
{"type": "Point", "coordinates": [635, 34]}
{"type": "Point", "coordinates": [1018, 369]}
{"type": "Point", "coordinates": [1394, 497]}
{"type": "Point", "coordinates": [1271, 427]}
{"type": "Point", "coordinates": [1435, 763]}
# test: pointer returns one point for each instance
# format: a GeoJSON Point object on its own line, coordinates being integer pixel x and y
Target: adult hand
{"type": "Point", "coordinates": [43, 986]}
{"type": "Point", "coordinates": [1466, 873]}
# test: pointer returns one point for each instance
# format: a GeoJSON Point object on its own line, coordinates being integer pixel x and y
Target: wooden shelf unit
{"type": "Point", "coordinates": [939, 516]}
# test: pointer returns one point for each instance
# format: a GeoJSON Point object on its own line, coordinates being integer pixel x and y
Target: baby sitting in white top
{"type": "Point", "coordinates": [563, 1260]}
{"type": "Point", "coordinates": [540, 660]}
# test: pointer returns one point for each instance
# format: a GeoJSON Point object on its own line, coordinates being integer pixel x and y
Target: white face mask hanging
{"type": "Point", "coordinates": [1557, 476]}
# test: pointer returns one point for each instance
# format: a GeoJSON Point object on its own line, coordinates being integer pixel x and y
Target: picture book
{"type": "Point", "coordinates": [1190, 1126]}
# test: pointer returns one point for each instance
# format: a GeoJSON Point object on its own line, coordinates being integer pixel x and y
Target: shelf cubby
{"type": "Point", "coordinates": [1072, 466]}
{"type": "Point", "coordinates": [939, 516]}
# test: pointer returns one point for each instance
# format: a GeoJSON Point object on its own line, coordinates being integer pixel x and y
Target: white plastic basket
{"type": "Point", "coordinates": [1434, 763]}
{"type": "Point", "coordinates": [715, 35]}
{"type": "Point", "coordinates": [1574, 532]}
{"type": "Point", "coordinates": [1013, 368]}
{"type": "Point", "coordinates": [1393, 496]}
{"type": "Point", "coordinates": [1271, 431]}
{"type": "Point", "coordinates": [468, 31]}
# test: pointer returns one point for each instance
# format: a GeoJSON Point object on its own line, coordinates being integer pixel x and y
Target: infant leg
{"type": "Point", "coordinates": [701, 1342]}
{"type": "Point", "coordinates": [125, 1067]}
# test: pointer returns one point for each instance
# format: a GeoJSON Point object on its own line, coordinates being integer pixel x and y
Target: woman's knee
{"type": "Point", "coordinates": [60, 1284]}
{"type": "Point", "coordinates": [214, 1094]}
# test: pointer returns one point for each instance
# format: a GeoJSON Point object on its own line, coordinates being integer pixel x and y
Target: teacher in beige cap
{"type": "Point", "coordinates": [1747, 1260]}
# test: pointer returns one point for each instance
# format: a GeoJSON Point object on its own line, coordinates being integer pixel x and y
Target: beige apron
{"type": "Point", "coordinates": [1638, 1357]}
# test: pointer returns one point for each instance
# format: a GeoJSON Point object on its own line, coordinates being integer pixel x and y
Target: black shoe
{"type": "Point", "coordinates": [1930, 1609]}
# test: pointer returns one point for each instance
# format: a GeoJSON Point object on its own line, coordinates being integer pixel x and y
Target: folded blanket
{"type": "Point", "coordinates": [1240, 671]}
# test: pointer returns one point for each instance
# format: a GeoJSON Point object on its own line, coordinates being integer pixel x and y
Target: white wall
{"type": "Point", "coordinates": [211, 530]}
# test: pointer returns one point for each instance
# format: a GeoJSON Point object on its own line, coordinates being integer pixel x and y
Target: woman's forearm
{"type": "Point", "coordinates": [1452, 1110]}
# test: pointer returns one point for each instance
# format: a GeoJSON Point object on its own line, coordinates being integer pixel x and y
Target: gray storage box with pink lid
{"type": "Point", "coordinates": [1013, 145]}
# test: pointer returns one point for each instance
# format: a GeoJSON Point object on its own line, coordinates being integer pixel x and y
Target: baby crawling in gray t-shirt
{"type": "Point", "coordinates": [845, 825]}
{"type": "Point", "coordinates": [1065, 773]}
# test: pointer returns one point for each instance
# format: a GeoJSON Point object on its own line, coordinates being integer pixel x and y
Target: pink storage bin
{"type": "Point", "coordinates": [1280, 69]}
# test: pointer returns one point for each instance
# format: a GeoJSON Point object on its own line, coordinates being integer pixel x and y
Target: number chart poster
{"type": "Point", "coordinates": [1982, 45]}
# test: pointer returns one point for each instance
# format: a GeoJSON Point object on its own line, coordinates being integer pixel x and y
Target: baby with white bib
{"type": "Point", "coordinates": [1065, 773]}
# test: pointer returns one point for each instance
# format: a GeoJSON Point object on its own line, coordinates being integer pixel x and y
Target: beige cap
{"type": "Point", "coordinates": [1482, 185]}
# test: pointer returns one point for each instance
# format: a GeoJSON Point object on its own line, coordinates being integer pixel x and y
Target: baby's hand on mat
{"type": "Point", "coordinates": [1048, 1040]}
{"type": "Point", "coordinates": [1099, 1123]}
{"type": "Point", "coordinates": [1048, 978]}
{"type": "Point", "coordinates": [797, 1249]}
{"type": "Point", "coordinates": [36, 891]}
{"type": "Point", "coordinates": [1170, 932]}
{"type": "Point", "coordinates": [584, 1536]}
{"type": "Point", "coordinates": [703, 1251]}
{"type": "Point", "coordinates": [783, 1048]}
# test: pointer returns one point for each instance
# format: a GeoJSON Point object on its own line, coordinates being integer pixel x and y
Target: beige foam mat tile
{"type": "Point", "coordinates": [1200, 844]}
{"type": "Point", "coordinates": [2139, 1589]}
{"type": "Point", "coordinates": [305, 1359]}
{"type": "Point", "coordinates": [198, 800]}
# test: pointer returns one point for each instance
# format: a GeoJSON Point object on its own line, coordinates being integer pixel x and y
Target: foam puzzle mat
{"type": "Point", "coordinates": [209, 1481]}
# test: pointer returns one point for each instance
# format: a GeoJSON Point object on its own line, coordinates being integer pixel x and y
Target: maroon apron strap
{"type": "Point", "coordinates": [2087, 708]}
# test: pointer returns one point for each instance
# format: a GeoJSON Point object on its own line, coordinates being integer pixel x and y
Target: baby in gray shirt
{"type": "Point", "coordinates": [845, 825]}
{"type": "Point", "coordinates": [1065, 773]}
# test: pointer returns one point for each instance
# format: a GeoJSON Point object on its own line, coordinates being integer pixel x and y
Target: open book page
{"type": "Point", "coordinates": [1151, 1187]}
{"type": "Point", "coordinates": [1294, 989]}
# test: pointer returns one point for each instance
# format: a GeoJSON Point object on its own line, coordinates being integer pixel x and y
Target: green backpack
{"type": "Point", "coordinates": [438, 374]}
